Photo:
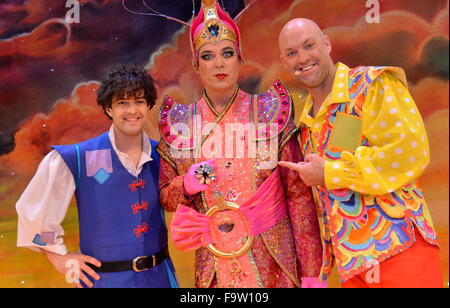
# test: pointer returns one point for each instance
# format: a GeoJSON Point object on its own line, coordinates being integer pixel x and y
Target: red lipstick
{"type": "Point", "coordinates": [221, 76]}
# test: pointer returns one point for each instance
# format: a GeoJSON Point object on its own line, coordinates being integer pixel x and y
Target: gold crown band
{"type": "Point", "coordinates": [214, 32]}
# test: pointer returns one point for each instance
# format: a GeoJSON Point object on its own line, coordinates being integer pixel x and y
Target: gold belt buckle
{"type": "Point", "coordinates": [233, 254]}
{"type": "Point", "coordinates": [139, 258]}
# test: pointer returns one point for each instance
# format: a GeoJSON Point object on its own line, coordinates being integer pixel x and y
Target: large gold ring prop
{"type": "Point", "coordinates": [233, 254]}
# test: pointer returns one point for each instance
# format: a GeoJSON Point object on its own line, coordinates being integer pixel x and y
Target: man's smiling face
{"type": "Point", "coordinates": [305, 53]}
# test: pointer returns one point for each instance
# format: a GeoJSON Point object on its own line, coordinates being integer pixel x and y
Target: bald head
{"type": "Point", "coordinates": [297, 26]}
{"type": "Point", "coordinates": [305, 52]}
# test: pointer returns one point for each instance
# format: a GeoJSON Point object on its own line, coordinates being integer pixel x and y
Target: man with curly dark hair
{"type": "Point", "coordinates": [123, 81]}
{"type": "Point", "coordinates": [123, 237]}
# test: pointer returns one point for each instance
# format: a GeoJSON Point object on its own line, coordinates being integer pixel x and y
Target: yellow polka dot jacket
{"type": "Point", "coordinates": [373, 139]}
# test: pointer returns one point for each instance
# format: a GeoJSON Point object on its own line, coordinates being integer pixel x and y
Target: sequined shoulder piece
{"type": "Point", "coordinates": [176, 124]}
{"type": "Point", "coordinates": [271, 111]}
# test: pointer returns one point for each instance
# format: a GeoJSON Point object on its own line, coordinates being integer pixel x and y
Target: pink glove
{"type": "Point", "coordinates": [313, 282]}
{"type": "Point", "coordinates": [191, 182]}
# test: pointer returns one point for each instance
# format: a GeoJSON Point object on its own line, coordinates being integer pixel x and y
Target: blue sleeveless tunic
{"type": "Point", "coordinates": [120, 217]}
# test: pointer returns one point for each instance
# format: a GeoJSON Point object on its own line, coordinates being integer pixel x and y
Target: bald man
{"type": "Point", "coordinates": [364, 144]}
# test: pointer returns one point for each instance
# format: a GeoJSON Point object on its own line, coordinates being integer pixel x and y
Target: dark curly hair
{"type": "Point", "coordinates": [126, 81]}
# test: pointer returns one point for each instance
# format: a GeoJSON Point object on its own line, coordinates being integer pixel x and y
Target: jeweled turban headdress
{"type": "Point", "coordinates": [211, 25]}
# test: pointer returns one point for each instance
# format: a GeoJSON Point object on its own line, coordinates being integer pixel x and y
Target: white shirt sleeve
{"type": "Point", "coordinates": [43, 205]}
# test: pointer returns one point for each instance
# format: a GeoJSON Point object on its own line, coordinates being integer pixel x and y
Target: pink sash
{"type": "Point", "coordinates": [191, 230]}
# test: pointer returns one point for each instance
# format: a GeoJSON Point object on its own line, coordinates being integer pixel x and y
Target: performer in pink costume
{"type": "Point", "coordinates": [251, 224]}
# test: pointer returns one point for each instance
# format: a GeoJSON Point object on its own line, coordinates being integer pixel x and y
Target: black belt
{"type": "Point", "coordinates": [139, 264]}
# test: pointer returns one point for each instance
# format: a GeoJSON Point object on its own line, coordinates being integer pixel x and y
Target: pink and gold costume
{"type": "Point", "coordinates": [254, 225]}
{"type": "Point", "coordinates": [290, 248]}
